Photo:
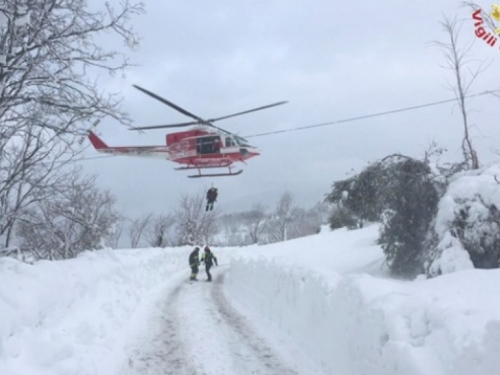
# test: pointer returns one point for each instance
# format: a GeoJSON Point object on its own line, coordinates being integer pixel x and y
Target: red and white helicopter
{"type": "Point", "coordinates": [201, 147]}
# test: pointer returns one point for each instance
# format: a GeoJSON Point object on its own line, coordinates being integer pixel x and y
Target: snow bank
{"type": "Point", "coordinates": [354, 323]}
{"type": "Point", "coordinates": [70, 316]}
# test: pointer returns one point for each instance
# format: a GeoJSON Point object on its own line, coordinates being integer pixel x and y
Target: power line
{"type": "Point", "coordinates": [369, 116]}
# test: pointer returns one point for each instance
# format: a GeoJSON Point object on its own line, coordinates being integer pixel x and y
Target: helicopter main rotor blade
{"type": "Point", "coordinates": [250, 110]}
{"type": "Point", "coordinates": [170, 104]}
{"type": "Point", "coordinates": [180, 125]}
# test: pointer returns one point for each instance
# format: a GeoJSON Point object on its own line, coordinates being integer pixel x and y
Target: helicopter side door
{"type": "Point", "coordinates": [208, 145]}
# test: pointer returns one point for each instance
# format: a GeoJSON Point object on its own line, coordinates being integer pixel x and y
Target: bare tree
{"type": "Point", "coordinates": [49, 52]}
{"type": "Point", "coordinates": [254, 222]}
{"type": "Point", "coordinates": [31, 162]}
{"type": "Point", "coordinates": [78, 217]}
{"type": "Point", "coordinates": [209, 226]}
{"type": "Point", "coordinates": [456, 60]}
{"type": "Point", "coordinates": [279, 224]}
{"type": "Point", "coordinates": [138, 229]}
{"type": "Point", "coordinates": [229, 225]}
{"type": "Point", "coordinates": [158, 237]}
{"type": "Point", "coordinates": [194, 224]}
{"type": "Point", "coordinates": [309, 221]}
{"type": "Point", "coordinates": [433, 151]}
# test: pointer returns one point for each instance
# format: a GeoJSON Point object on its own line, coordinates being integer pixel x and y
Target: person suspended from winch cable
{"type": "Point", "coordinates": [209, 258]}
{"type": "Point", "coordinates": [211, 198]}
{"type": "Point", "coordinates": [194, 262]}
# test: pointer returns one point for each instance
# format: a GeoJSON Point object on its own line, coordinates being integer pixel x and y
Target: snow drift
{"type": "Point", "coordinates": [356, 323]}
{"type": "Point", "coordinates": [74, 316]}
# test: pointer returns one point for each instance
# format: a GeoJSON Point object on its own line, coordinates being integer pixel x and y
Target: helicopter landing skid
{"type": "Point", "coordinates": [205, 167]}
{"type": "Point", "coordinates": [217, 174]}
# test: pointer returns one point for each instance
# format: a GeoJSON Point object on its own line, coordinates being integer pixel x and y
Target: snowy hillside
{"type": "Point", "coordinates": [316, 305]}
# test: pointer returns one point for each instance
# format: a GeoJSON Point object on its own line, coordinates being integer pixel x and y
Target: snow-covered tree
{"type": "Point", "coordinates": [232, 230]}
{"type": "Point", "coordinates": [466, 231]}
{"type": "Point", "coordinates": [48, 54]}
{"type": "Point", "coordinates": [77, 217]}
{"type": "Point", "coordinates": [402, 193]}
{"type": "Point", "coordinates": [159, 235]}
{"type": "Point", "coordinates": [254, 221]}
{"type": "Point", "coordinates": [411, 199]}
{"type": "Point", "coordinates": [49, 50]}
{"type": "Point", "coordinates": [32, 164]}
{"type": "Point", "coordinates": [195, 225]}
{"type": "Point", "coordinates": [360, 195]}
{"type": "Point", "coordinates": [279, 224]}
{"type": "Point", "coordinates": [341, 217]}
{"type": "Point", "coordinates": [113, 240]}
{"type": "Point", "coordinates": [138, 229]}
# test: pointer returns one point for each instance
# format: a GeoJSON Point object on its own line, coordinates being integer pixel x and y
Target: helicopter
{"type": "Point", "coordinates": [201, 147]}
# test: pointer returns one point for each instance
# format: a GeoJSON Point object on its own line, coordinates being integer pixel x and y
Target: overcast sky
{"type": "Point", "coordinates": [330, 59]}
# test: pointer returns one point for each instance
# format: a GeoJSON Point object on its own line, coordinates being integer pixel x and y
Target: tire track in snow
{"type": "Point", "coordinates": [193, 329]}
{"type": "Point", "coordinates": [239, 325]}
{"type": "Point", "coordinates": [161, 351]}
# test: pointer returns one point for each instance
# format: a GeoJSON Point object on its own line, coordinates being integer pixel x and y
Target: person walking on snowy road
{"type": "Point", "coordinates": [194, 262]}
{"type": "Point", "coordinates": [209, 259]}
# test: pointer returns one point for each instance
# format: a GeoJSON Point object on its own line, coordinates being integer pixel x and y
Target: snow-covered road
{"type": "Point", "coordinates": [194, 329]}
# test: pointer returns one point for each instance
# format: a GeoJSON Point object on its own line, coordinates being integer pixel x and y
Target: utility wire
{"type": "Point", "coordinates": [369, 116]}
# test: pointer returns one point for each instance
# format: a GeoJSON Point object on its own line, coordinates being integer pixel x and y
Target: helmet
{"type": "Point", "coordinates": [196, 248]}
{"type": "Point", "coordinates": [207, 248]}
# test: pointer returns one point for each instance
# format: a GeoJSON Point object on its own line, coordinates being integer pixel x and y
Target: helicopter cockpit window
{"type": "Point", "coordinates": [208, 145]}
{"type": "Point", "coordinates": [230, 142]}
{"type": "Point", "coordinates": [241, 141]}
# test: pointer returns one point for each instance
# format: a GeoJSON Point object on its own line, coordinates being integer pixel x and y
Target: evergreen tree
{"type": "Point", "coordinates": [400, 192]}
{"type": "Point", "coordinates": [341, 217]}
{"type": "Point", "coordinates": [411, 198]}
